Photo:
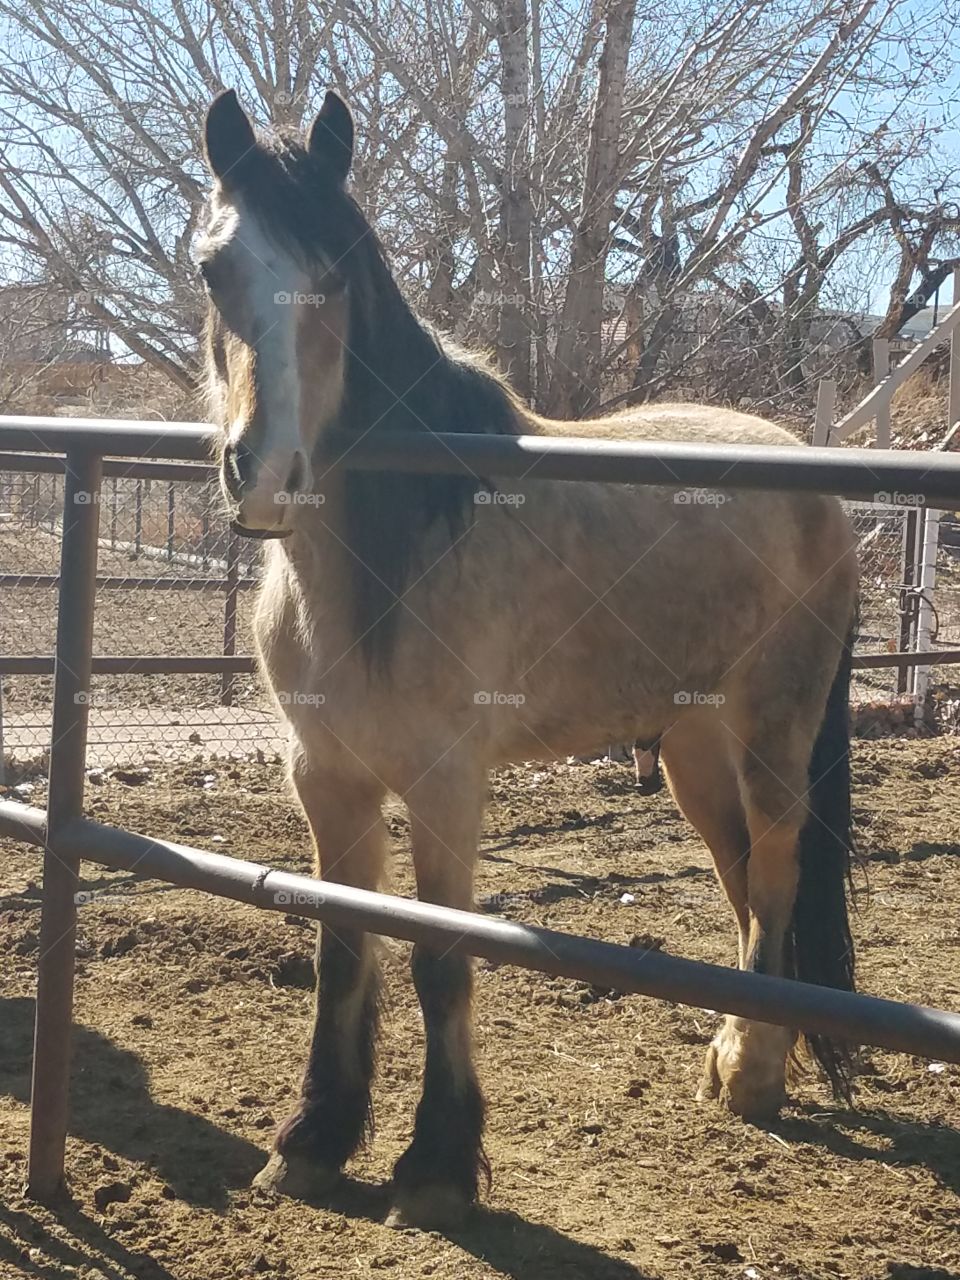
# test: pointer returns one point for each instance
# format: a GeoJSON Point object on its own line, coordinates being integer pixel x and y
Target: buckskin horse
{"type": "Point", "coordinates": [418, 630]}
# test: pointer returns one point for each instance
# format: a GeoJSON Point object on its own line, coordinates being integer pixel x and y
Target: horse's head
{"type": "Point", "coordinates": [274, 257]}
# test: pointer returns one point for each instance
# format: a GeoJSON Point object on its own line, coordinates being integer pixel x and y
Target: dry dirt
{"type": "Point", "coordinates": [193, 1014]}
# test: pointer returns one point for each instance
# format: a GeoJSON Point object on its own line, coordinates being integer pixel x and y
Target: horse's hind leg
{"type": "Point", "coordinates": [333, 1112]}
{"type": "Point", "coordinates": [703, 780]}
{"type": "Point", "coordinates": [436, 1177]}
{"type": "Point", "coordinates": [746, 1063]}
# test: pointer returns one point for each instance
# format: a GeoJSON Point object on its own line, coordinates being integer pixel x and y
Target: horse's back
{"type": "Point", "coordinates": [705, 424]}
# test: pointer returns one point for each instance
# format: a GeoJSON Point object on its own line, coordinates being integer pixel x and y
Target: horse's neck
{"type": "Point", "coordinates": [313, 562]}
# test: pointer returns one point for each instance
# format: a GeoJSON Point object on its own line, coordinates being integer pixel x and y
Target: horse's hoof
{"type": "Point", "coordinates": [745, 1070]}
{"type": "Point", "coordinates": [754, 1104]}
{"type": "Point", "coordinates": [296, 1176]}
{"type": "Point", "coordinates": [429, 1208]}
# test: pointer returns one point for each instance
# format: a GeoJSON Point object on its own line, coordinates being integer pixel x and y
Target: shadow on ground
{"type": "Point", "coordinates": [924, 1145]}
{"type": "Point", "coordinates": [513, 1246]}
{"type": "Point", "coordinates": [34, 1250]}
{"type": "Point", "coordinates": [110, 1105]}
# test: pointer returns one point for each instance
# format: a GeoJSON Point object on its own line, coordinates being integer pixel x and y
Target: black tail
{"type": "Point", "coordinates": [821, 943]}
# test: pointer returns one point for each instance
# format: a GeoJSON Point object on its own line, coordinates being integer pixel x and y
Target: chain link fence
{"type": "Point", "coordinates": [175, 581]}
{"type": "Point", "coordinates": [172, 580]}
{"type": "Point", "coordinates": [882, 533]}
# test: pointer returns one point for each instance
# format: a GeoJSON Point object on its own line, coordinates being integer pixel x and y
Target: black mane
{"type": "Point", "coordinates": [399, 377]}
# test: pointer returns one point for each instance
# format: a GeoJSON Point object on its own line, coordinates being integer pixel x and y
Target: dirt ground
{"type": "Point", "coordinates": [193, 1016]}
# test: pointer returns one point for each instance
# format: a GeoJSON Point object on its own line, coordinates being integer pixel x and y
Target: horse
{"type": "Point", "coordinates": [418, 630]}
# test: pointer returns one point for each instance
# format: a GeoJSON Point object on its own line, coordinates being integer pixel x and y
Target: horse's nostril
{"type": "Point", "coordinates": [238, 462]}
{"type": "Point", "coordinates": [295, 478]}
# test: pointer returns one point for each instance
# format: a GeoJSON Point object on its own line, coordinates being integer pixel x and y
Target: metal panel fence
{"type": "Point", "coordinates": [66, 836]}
{"type": "Point", "coordinates": [175, 583]}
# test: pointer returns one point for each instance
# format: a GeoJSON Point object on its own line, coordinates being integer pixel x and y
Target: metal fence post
{"type": "Point", "coordinates": [230, 615]}
{"type": "Point", "coordinates": [138, 520]}
{"type": "Point", "coordinates": [171, 518]}
{"type": "Point", "coordinates": [71, 699]}
{"type": "Point", "coordinates": [910, 556]}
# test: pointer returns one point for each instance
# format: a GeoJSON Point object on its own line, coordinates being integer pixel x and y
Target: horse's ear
{"type": "Point", "coordinates": [331, 135]}
{"type": "Point", "coordinates": [227, 134]}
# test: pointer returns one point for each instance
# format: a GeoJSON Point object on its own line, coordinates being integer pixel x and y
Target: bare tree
{"type": "Point", "coordinates": [582, 318]}
{"type": "Point", "coordinates": [619, 200]}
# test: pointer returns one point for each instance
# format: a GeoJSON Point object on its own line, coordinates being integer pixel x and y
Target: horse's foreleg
{"type": "Point", "coordinates": [333, 1112]}
{"type": "Point", "coordinates": [436, 1177]}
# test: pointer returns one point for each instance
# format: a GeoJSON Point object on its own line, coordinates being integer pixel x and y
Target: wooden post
{"type": "Point", "coordinates": [881, 367]}
{"type": "Point", "coordinates": [929, 543]}
{"type": "Point", "coordinates": [826, 404]}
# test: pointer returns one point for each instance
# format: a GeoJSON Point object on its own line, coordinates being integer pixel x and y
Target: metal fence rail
{"type": "Point", "coordinates": [858, 474]}
{"type": "Point", "coordinates": [67, 837]}
{"type": "Point", "coordinates": [887, 1024]}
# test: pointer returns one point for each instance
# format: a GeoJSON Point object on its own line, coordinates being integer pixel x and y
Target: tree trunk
{"type": "Point", "coordinates": [579, 339]}
{"type": "Point", "coordinates": [516, 215]}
